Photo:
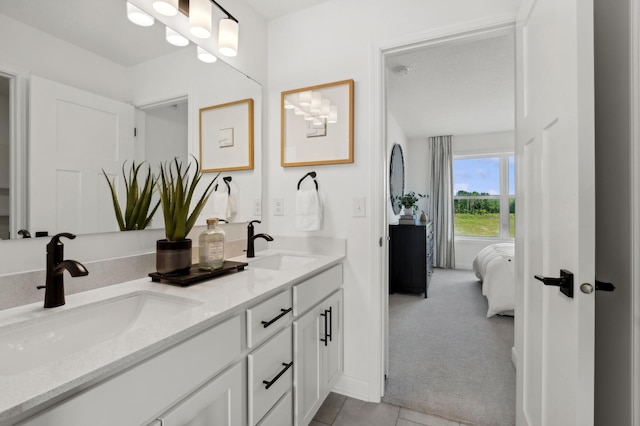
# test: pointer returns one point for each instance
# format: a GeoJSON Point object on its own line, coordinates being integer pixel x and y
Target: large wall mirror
{"type": "Point", "coordinates": [82, 89]}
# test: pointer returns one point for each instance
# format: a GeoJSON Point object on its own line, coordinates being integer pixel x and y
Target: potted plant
{"type": "Point", "coordinates": [177, 189]}
{"type": "Point", "coordinates": [136, 212]}
{"type": "Point", "coordinates": [408, 202]}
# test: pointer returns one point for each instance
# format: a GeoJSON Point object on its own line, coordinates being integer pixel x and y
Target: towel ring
{"type": "Point", "coordinates": [310, 174]}
{"type": "Point", "coordinates": [226, 180]}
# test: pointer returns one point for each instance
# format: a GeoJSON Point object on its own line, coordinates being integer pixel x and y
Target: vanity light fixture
{"type": "Point", "coordinates": [200, 18]}
{"type": "Point", "coordinates": [333, 114]}
{"type": "Point", "coordinates": [138, 16]}
{"type": "Point", "coordinates": [199, 14]}
{"type": "Point", "coordinates": [305, 98]}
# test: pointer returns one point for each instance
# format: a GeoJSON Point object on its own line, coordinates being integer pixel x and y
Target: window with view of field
{"type": "Point", "coordinates": [484, 196]}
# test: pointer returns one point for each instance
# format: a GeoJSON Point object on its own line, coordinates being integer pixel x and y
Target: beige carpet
{"type": "Point", "coordinates": [446, 357]}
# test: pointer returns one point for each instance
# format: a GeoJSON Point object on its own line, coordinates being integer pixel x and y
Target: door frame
{"type": "Point", "coordinates": [380, 251]}
{"type": "Point", "coordinates": [634, 47]}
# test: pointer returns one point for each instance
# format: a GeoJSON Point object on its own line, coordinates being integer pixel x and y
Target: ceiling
{"type": "Point", "coordinates": [455, 88]}
{"type": "Point", "coordinates": [271, 9]}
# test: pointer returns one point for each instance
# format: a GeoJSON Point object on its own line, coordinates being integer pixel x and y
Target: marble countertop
{"type": "Point", "coordinates": [219, 298]}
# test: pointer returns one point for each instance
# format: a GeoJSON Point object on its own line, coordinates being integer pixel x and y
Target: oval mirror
{"type": "Point", "coordinates": [396, 176]}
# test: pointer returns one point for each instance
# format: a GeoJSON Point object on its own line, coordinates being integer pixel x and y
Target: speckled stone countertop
{"type": "Point", "coordinates": [26, 392]}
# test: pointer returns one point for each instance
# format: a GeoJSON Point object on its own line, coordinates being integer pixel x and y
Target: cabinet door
{"type": "Point", "coordinates": [219, 402]}
{"type": "Point", "coordinates": [307, 380]}
{"type": "Point", "coordinates": [333, 351]}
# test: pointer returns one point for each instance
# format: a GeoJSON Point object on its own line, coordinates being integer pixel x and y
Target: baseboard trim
{"type": "Point", "coordinates": [353, 387]}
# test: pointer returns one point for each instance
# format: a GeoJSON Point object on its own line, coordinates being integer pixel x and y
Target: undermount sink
{"type": "Point", "coordinates": [31, 343]}
{"type": "Point", "coordinates": [282, 262]}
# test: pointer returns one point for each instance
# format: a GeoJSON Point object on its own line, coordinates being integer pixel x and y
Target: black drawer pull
{"type": "Point", "coordinates": [283, 313]}
{"type": "Point", "coordinates": [268, 384]}
{"type": "Point", "coordinates": [326, 335]}
{"type": "Point", "coordinates": [330, 324]}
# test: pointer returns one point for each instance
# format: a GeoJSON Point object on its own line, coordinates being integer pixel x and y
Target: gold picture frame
{"type": "Point", "coordinates": [226, 136]}
{"type": "Point", "coordinates": [317, 125]}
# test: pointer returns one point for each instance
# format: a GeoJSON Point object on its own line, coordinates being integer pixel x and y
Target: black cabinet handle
{"type": "Point", "coordinates": [330, 323]}
{"type": "Point", "coordinates": [283, 313]}
{"type": "Point", "coordinates": [268, 383]}
{"type": "Point", "coordinates": [326, 336]}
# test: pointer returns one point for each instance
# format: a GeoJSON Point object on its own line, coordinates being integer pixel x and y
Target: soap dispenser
{"type": "Point", "coordinates": [211, 246]}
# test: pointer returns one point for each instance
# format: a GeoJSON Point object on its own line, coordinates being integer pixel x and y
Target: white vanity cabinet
{"type": "Point", "coordinates": [317, 342]}
{"type": "Point", "coordinates": [187, 372]}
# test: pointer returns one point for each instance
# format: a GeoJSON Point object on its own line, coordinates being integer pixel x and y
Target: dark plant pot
{"type": "Point", "coordinates": [173, 257]}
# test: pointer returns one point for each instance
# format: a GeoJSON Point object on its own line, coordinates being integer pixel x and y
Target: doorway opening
{"type": "Point", "coordinates": [462, 86]}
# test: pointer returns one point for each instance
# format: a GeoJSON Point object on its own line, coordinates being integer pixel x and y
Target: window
{"type": "Point", "coordinates": [484, 196]}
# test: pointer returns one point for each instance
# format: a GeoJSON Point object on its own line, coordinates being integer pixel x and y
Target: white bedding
{"type": "Point", "coordinates": [494, 267]}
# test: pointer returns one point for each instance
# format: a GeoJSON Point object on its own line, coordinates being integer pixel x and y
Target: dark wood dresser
{"type": "Point", "coordinates": [410, 257]}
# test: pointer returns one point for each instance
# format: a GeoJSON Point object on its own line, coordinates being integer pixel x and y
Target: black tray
{"type": "Point", "coordinates": [195, 275]}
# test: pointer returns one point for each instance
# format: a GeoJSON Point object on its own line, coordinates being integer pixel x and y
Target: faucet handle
{"type": "Point", "coordinates": [56, 238]}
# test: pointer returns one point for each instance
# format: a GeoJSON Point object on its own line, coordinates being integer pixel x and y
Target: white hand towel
{"type": "Point", "coordinates": [220, 204]}
{"type": "Point", "coordinates": [308, 210]}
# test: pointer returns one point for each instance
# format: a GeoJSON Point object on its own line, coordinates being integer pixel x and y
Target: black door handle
{"type": "Point", "coordinates": [601, 285]}
{"type": "Point", "coordinates": [565, 282]}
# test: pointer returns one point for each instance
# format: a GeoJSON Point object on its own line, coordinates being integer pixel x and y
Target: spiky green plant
{"type": "Point", "coordinates": [136, 213]}
{"type": "Point", "coordinates": [176, 191]}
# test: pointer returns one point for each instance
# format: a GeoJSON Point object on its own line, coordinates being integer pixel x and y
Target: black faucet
{"type": "Point", "coordinates": [251, 250]}
{"type": "Point", "coordinates": [54, 288]}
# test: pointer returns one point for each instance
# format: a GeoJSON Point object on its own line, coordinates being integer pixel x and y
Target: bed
{"type": "Point", "coordinates": [494, 266]}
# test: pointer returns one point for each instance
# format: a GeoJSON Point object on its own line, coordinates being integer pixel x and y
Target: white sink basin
{"type": "Point", "coordinates": [31, 343]}
{"type": "Point", "coordinates": [282, 262]}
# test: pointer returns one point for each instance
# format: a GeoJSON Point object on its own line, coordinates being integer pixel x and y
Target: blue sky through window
{"type": "Point", "coordinates": [480, 174]}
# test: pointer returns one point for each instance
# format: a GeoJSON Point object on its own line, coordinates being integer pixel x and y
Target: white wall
{"type": "Point", "coordinates": [333, 41]}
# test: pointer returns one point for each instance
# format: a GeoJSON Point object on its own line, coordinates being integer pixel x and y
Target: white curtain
{"type": "Point", "coordinates": [440, 200]}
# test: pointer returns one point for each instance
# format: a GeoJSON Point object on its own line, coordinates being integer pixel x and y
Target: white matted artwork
{"type": "Point", "coordinates": [226, 136]}
{"type": "Point", "coordinates": [317, 125]}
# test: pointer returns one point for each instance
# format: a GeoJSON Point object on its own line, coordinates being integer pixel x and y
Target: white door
{"type": "Point", "coordinates": [73, 135]}
{"type": "Point", "coordinates": [556, 212]}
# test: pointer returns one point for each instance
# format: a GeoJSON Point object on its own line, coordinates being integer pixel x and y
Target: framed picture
{"type": "Point", "coordinates": [226, 136]}
{"type": "Point", "coordinates": [317, 125]}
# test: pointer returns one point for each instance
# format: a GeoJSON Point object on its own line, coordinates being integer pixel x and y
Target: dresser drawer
{"type": "Point", "coordinates": [281, 414]}
{"type": "Point", "coordinates": [310, 292]}
{"type": "Point", "coordinates": [264, 319]}
{"type": "Point", "coordinates": [271, 363]}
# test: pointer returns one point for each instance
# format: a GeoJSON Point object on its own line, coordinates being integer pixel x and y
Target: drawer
{"type": "Point", "coordinates": [271, 363]}
{"type": "Point", "coordinates": [281, 414]}
{"type": "Point", "coordinates": [310, 292]}
{"type": "Point", "coordinates": [264, 319]}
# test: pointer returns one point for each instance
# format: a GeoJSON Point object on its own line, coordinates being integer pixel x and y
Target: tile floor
{"type": "Point", "coordinates": [339, 410]}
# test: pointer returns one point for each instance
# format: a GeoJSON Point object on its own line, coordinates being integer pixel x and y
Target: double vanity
{"type": "Point", "coordinates": [262, 346]}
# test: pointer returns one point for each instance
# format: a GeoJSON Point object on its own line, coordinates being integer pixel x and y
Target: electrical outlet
{"type": "Point", "coordinates": [278, 207]}
{"type": "Point", "coordinates": [257, 207]}
{"type": "Point", "coordinates": [358, 207]}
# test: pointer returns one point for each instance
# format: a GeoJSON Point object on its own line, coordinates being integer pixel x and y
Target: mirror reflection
{"type": "Point", "coordinates": [83, 90]}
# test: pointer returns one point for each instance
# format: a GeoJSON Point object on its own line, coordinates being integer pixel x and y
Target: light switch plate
{"type": "Point", "coordinates": [278, 206]}
{"type": "Point", "coordinates": [359, 207]}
